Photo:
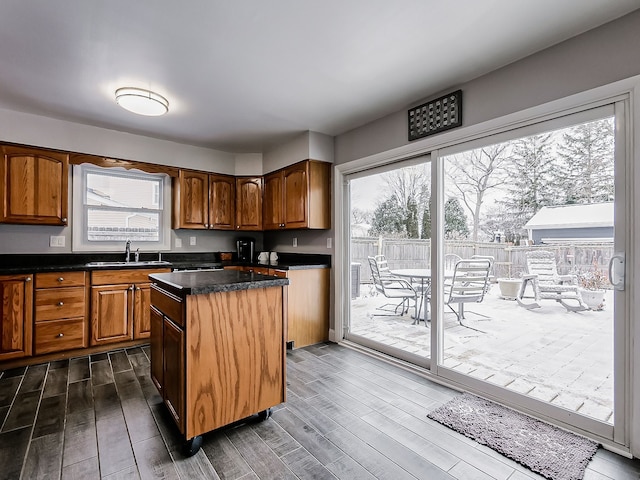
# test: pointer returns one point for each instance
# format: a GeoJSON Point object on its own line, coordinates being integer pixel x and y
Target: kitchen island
{"type": "Point", "coordinates": [217, 347]}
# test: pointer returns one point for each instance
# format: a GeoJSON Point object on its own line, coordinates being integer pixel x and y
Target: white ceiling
{"type": "Point", "coordinates": [244, 75]}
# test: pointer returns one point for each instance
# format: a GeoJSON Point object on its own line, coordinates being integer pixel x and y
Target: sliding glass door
{"type": "Point", "coordinates": [390, 236]}
{"type": "Point", "coordinates": [498, 265]}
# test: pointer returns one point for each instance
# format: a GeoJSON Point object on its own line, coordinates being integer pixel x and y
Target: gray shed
{"type": "Point", "coordinates": [577, 223]}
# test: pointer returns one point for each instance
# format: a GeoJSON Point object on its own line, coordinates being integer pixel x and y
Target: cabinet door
{"type": "Point", "coordinates": [249, 203]}
{"type": "Point", "coordinates": [222, 202]}
{"type": "Point", "coordinates": [111, 312]}
{"type": "Point", "coordinates": [156, 321]}
{"type": "Point", "coordinates": [141, 310]}
{"type": "Point", "coordinates": [191, 200]}
{"type": "Point", "coordinates": [272, 208]}
{"type": "Point", "coordinates": [16, 316]}
{"type": "Point", "coordinates": [296, 196]}
{"type": "Point", "coordinates": [173, 370]}
{"type": "Point", "coordinates": [34, 186]}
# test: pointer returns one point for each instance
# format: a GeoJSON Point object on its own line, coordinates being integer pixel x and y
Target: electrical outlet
{"type": "Point", "coordinates": [192, 240]}
{"type": "Point", "coordinates": [56, 241]}
{"type": "Point", "coordinates": [178, 243]}
{"type": "Point", "coordinates": [295, 241]}
{"type": "Point", "coordinates": [329, 242]}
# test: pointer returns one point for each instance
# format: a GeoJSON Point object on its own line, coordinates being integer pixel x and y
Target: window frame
{"type": "Point", "coordinates": [80, 241]}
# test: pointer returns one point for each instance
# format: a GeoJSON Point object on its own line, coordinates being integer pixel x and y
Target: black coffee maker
{"type": "Point", "coordinates": [244, 249]}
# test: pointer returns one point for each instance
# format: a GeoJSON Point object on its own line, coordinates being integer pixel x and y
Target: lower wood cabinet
{"type": "Point", "coordinates": [307, 302]}
{"type": "Point", "coordinates": [120, 304]}
{"type": "Point", "coordinates": [217, 357]}
{"type": "Point", "coordinates": [61, 304]}
{"type": "Point", "coordinates": [16, 316]}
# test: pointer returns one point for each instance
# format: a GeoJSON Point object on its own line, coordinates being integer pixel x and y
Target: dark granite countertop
{"type": "Point", "coordinates": [34, 263]}
{"type": "Point", "coordinates": [197, 283]}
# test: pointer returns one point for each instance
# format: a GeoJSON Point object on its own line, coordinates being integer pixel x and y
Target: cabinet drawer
{"type": "Point", "coordinates": [60, 279]}
{"type": "Point", "coordinates": [168, 304]}
{"type": "Point", "coordinates": [116, 277]}
{"type": "Point", "coordinates": [58, 303]}
{"type": "Point", "coordinates": [58, 335]}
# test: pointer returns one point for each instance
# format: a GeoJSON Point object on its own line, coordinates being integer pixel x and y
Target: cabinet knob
{"type": "Point", "coordinates": [64, 219]}
{"type": "Point", "coordinates": [28, 279]}
{"type": "Point", "coordinates": [60, 335]}
{"type": "Point", "coordinates": [61, 279]}
{"type": "Point", "coordinates": [60, 304]}
{"type": "Point", "coordinates": [206, 225]}
{"type": "Point", "coordinates": [137, 288]}
{"type": "Point", "coordinates": [131, 287]}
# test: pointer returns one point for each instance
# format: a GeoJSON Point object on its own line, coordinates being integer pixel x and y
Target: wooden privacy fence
{"type": "Point", "coordinates": [509, 260]}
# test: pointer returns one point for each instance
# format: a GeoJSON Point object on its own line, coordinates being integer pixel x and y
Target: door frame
{"type": "Point", "coordinates": [627, 436]}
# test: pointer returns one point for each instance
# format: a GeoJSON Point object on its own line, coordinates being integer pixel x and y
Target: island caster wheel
{"type": "Point", "coordinates": [191, 446]}
{"type": "Point", "coordinates": [264, 414]}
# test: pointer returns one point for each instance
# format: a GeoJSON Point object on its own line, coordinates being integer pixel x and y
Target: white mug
{"type": "Point", "coordinates": [273, 257]}
{"type": "Point", "coordinates": [263, 257]}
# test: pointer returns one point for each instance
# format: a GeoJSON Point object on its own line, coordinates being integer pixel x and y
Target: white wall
{"type": "Point", "coordinates": [40, 131]}
{"type": "Point", "coordinates": [313, 145]}
{"type": "Point", "coordinates": [595, 58]}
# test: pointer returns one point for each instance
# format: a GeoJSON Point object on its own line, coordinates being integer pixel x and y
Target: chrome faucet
{"type": "Point", "coordinates": [137, 255]}
{"type": "Point", "coordinates": [127, 251]}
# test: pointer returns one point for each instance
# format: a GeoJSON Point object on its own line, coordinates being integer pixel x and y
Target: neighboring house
{"type": "Point", "coordinates": [577, 223]}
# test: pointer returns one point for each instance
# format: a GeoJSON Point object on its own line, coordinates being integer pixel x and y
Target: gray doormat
{"type": "Point", "coordinates": [545, 449]}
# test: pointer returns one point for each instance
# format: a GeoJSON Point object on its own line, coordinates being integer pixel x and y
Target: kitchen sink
{"type": "Point", "coordinates": [150, 263]}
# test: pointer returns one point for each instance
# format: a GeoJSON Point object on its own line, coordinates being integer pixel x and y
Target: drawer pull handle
{"type": "Point", "coordinates": [60, 304]}
{"type": "Point", "coordinates": [61, 279]}
{"type": "Point", "coordinates": [60, 335]}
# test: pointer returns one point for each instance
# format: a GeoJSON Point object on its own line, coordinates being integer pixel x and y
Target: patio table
{"type": "Point", "coordinates": [421, 276]}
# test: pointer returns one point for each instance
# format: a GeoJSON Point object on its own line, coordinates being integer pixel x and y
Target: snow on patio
{"type": "Point", "coordinates": [561, 357]}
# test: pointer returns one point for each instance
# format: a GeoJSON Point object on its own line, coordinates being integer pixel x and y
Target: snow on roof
{"type": "Point", "coordinates": [573, 216]}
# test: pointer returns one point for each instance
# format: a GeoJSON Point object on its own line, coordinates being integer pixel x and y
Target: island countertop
{"type": "Point", "coordinates": [202, 282]}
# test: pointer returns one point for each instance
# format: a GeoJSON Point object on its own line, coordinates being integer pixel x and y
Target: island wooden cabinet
{"type": "Point", "coordinates": [298, 196]}
{"type": "Point", "coordinates": [120, 302]}
{"type": "Point", "coordinates": [33, 186]}
{"type": "Point", "coordinates": [61, 304]}
{"type": "Point", "coordinates": [16, 316]}
{"type": "Point", "coordinates": [217, 357]}
{"type": "Point", "coordinates": [204, 201]}
{"type": "Point", "coordinates": [249, 203]}
{"type": "Point", "coordinates": [167, 363]}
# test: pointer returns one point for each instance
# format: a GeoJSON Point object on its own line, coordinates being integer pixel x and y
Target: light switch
{"type": "Point", "coordinates": [329, 242]}
{"type": "Point", "coordinates": [192, 240]}
{"type": "Point", "coordinates": [295, 241]}
{"type": "Point", "coordinates": [178, 243]}
{"type": "Point", "coordinates": [56, 241]}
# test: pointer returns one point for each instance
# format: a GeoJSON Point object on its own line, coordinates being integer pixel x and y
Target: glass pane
{"type": "Point", "coordinates": [123, 191]}
{"type": "Point", "coordinates": [391, 227]}
{"type": "Point", "coordinates": [121, 225]}
{"type": "Point", "coordinates": [540, 209]}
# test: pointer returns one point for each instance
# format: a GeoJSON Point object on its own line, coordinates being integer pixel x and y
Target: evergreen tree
{"type": "Point", "coordinates": [531, 180]}
{"type": "Point", "coordinates": [587, 170]}
{"type": "Point", "coordinates": [426, 222]}
{"type": "Point", "coordinates": [389, 219]}
{"type": "Point", "coordinates": [455, 220]}
{"type": "Point", "coordinates": [412, 219]}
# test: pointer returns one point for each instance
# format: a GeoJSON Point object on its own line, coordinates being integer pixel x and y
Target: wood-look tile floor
{"type": "Point", "coordinates": [347, 416]}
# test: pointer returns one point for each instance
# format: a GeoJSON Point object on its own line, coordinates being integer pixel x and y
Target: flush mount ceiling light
{"type": "Point", "coordinates": [141, 101]}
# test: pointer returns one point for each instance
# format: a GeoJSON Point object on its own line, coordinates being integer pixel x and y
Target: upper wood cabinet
{"type": "Point", "coordinates": [222, 202]}
{"type": "Point", "coordinates": [191, 200]}
{"type": "Point", "coordinates": [249, 203]}
{"type": "Point", "coordinates": [16, 316]}
{"type": "Point", "coordinates": [298, 197]}
{"type": "Point", "coordinates": [34, 186]}
{"type": "Point", "coordinates": [203, 201]}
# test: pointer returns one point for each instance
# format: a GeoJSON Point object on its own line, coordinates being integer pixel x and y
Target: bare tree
{"type": "Point", "coordinates": [474, 174]}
